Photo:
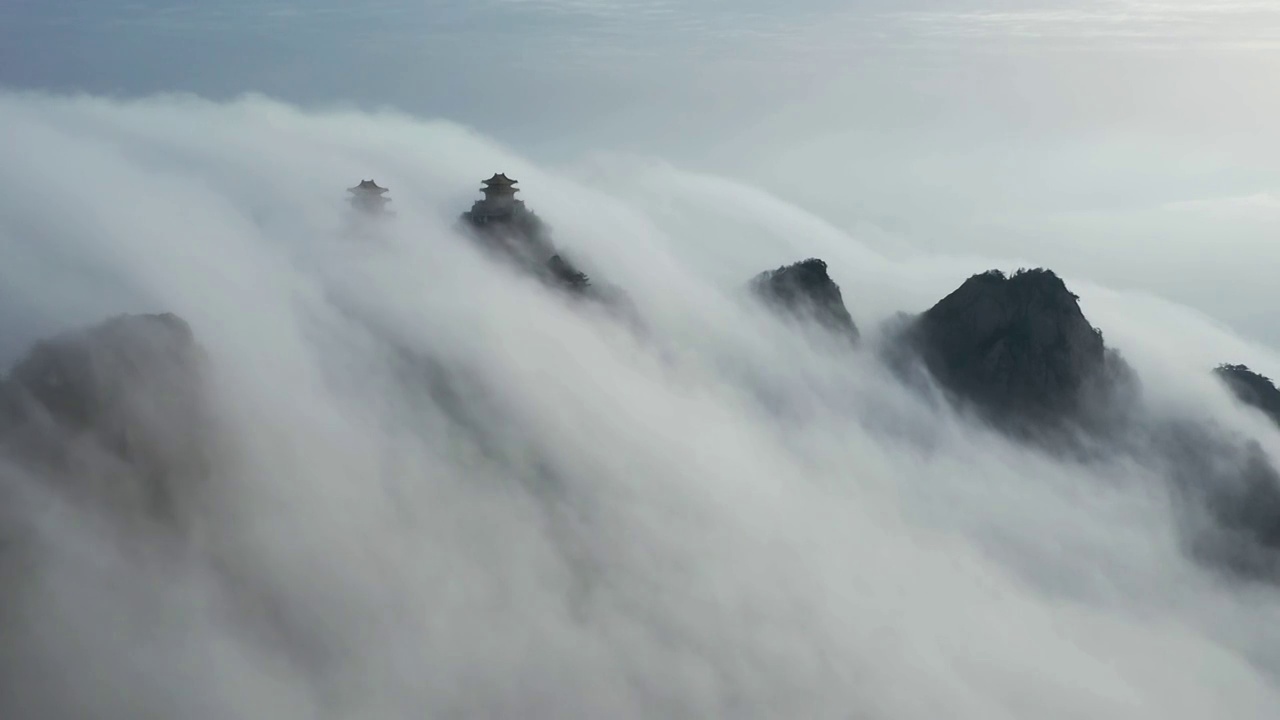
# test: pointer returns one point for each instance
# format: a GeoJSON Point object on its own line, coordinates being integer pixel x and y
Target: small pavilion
{"type": "Point", "coordinates": [369, 197]}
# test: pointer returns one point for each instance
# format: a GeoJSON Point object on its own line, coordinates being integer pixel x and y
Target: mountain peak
{"type": "Point", "coordinates": [806, 289]}
{"type": "Point", "coordinates": [1018, 346]}
{"type": "Point", "coordinates": [1252, 389]}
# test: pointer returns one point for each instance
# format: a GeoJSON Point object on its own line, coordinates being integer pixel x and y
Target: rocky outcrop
{"type": "Point", "coordinates": [1018, 348]}
{"type": "Point", "coordinates": [805, 290]}
{"type": "Point", "coordinates": [1252, 389]}
{"type": "Point", "coordinates": [1228, 492]}
{"type": "Point", "coordinates": [514, 233]}
{"type": "Point", "coordinates": [511, 232]}
{"type": "Point", "coordinates": [566, 275]}
{"type": "Point", "coordinates": [112, 414]}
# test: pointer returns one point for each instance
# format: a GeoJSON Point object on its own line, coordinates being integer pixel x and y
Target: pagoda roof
{"type": "Point", "coordinates": [499, 179]}
{"type": "Point", "coordinates": [367, 185]}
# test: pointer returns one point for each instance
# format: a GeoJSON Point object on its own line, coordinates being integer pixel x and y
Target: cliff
{"type": "Point", "coordinates": [1250, 388]}
{"type": "Point", "coordinates": [1018, 348]}
{"type": "Point", "coordinates": [805, 290]}
{"type": "Point", "coordinates": [1020, 351]}
{"type": "Point", "coordinates": [517, 235]}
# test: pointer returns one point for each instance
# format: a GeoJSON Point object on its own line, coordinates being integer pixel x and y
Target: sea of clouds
{"type": "Point", "coordinates": [717, 516]}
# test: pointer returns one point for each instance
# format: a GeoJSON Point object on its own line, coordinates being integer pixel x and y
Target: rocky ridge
{"type": "Point", "coordinates": [1250, 388]}
{"type": "Point", "coordinates": [117, 412]}
{"type": "Point", "coordinates": [1018, 349]}
{"type": "Point", "coordinates": [804, 290]}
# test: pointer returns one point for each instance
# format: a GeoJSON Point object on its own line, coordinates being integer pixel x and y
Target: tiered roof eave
{"type": "Point", "coordinates": [500, 181]}
{"type": "Point", "coordinates": [367, 186]}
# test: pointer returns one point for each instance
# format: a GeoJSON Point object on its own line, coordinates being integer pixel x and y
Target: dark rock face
{"type": "Point", "coordinates": [804, 289]}
{"type": "Point", "coordinates": [1018, 347]}
{"type": "Point", "coordinates": [1235, 488]}
{"type": "Point", "coordinates": [567, 275]}
{"type": "Point", "coordinates": [1252, 389]}
{"type": "Point", "coordinates": [518, 235]}
{"type": "Point", "coordinates": [112, 414]}
{"type": "Point", "coordinates": [515, 231]}
{"type": "Point", "coordinates": [515, 234]}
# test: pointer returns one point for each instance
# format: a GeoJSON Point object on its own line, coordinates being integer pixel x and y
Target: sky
{"type": "Point", "coordinates": [720, 517]}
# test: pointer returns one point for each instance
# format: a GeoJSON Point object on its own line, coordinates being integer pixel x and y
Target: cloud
{"type": "Point", "coordinates": [720, 521]}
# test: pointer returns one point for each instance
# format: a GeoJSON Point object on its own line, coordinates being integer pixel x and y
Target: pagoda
{"type": "Point", "coordinates": [499, 200]}
{"type": "Point", "coordinates": [504, 220]}
{"type": "Point", "coordinates": [501, 223]}
{"type": "Point", "coordinates": [368, 197]}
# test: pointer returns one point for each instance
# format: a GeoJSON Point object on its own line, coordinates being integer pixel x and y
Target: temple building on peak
{"type": "Point", "coordinates": [499, 201]}
{"type": "Point", "coordinates": [370, 198]}
{"type": "Point", "coordinates": [504, 220]}
{"type": "Point", "coordinates": [501, 223]}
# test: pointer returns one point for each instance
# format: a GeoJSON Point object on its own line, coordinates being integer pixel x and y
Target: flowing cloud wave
{"type": "Point", "coordinates": [718, 519]}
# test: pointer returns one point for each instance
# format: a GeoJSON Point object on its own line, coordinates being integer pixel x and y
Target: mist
{"type": "Point", "coordinates": [721, 516]}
